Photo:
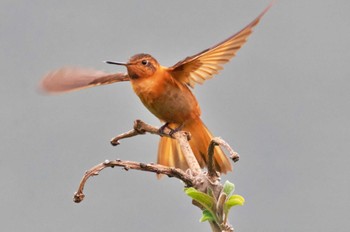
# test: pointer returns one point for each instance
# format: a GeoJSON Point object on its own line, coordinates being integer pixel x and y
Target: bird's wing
{"type": "Point", "coordinates": [70, 79]}
{"type": "Point", "coordinates": [204, 65]}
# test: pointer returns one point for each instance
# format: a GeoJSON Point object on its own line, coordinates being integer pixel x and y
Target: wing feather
{"type": "Point", "coordinates": [71, 79]}
{"type": "Point", "coordinates": [198, 68]}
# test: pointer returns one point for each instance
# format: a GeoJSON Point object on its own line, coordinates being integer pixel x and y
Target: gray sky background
{"type": "Point", "coordinates": [282, 103]}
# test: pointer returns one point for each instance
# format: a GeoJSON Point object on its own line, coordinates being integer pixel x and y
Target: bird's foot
{"type": "Point", "coordinates": [172, 131]}
{"type": "Point", "coordinates": [162, 128]}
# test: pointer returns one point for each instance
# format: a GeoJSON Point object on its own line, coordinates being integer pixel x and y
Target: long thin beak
{"type": "Point", "coordinates": [116, 63]}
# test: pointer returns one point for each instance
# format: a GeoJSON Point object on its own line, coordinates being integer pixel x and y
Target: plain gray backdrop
{"type": "Point", "coordinates": [282, 103]}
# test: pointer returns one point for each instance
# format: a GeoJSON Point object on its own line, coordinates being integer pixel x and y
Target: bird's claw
{"type": "Point", "coordinates": [162, 128]}
{"type": "Point", "coordinates": [172, 131]}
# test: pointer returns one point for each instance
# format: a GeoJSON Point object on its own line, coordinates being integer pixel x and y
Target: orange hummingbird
{"type": "Point", "coordinates": [165, 91]}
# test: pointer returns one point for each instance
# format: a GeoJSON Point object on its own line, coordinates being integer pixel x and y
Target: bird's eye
{"type": "Point", "coordinates": [144, 62]}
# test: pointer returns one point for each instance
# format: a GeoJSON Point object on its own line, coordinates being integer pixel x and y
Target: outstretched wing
{"type": "Point", "coordinates": [70, 79]}
{"type": "Point", "coordinates": [204, 65]}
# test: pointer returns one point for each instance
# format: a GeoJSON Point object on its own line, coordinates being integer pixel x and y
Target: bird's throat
{"type": "Point", "coordinates": [133, 75]}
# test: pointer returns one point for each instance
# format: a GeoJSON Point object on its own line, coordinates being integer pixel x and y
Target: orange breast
{"type": "Point", "coordinates": [165, 97]}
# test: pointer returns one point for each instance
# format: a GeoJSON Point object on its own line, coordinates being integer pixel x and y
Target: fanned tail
{"type": "Point", "coordinates": [170, 154]}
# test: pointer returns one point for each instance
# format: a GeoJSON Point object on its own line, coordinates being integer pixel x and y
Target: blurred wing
{"type": "Point", "coordinates": [71, 79]}
{"type": "Point", "coordinates": [204, 65]}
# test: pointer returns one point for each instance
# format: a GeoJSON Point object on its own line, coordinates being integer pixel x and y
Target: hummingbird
{"type": "Point", "coordinates": [166, 93]}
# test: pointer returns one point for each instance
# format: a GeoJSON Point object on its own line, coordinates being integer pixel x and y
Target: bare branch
{"type": "Point", "coordinates": [156, 168]}
{"type": "Point", "coordinates": [140, 128]}
{"type": "Point", "coordinates": [181, 136]}
{"type": "Point", "coordinates": [233, 155]}
{"type": "Point", "coordinates": [215, 142]}
{"type": "Point", "coordinates": [191, 160]}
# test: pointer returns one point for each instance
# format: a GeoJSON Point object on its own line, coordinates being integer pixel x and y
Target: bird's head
{"type": "Point", "coordinates": [140, 66]}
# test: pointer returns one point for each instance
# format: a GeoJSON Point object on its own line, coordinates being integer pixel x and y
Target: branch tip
{"type": "Point", "coordinates": [78, 197]}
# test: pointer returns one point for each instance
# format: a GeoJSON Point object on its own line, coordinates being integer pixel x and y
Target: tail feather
{"type": "Point", "coordinates": [170, 154]}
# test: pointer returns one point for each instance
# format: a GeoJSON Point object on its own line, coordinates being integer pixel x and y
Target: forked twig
{"type": "Point", "coordinates": [215, 142]}
{"type": "Point", "coordinates": [188, 178]}
{"type": "Point", "coordinates": [181, 136]}
{"type": "Point", "coordinates": [194, 177]}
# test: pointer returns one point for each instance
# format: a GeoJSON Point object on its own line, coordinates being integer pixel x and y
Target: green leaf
{"type": "Point", "coordinates": [207, 216]}
{"type": "Point", "coordinates": [228, 188]}
{"type": "Point", "coordinates": [233, 201]}
{"type": "Point", "coordinates": [202, 198]}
